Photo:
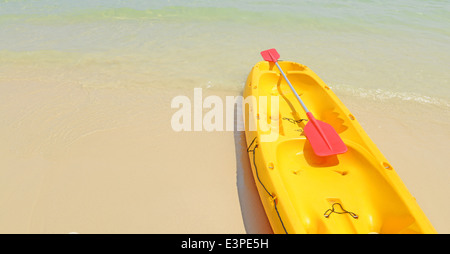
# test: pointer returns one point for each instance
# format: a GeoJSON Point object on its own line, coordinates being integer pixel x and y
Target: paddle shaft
{"type": "Point", "coordinates": [309, 114]}
{"type": "Point", "coordinates": [323, 137]}
{"type": "Point", "coordinates": [292, 88]}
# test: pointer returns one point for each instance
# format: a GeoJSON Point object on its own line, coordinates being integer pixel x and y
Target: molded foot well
{"type": "Point", "coordinates": [355, 179]}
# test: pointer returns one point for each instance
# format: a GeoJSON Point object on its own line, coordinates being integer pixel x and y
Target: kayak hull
{"type": "Point", "coordinates": [354, 192]}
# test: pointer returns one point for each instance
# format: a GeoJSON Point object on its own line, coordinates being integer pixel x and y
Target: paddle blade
{"type": "Point", "coordinates": [270, 55]}
{"type": "Point", "coordinates": [323, 138]}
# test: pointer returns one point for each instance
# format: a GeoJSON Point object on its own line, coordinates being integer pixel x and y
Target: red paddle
{"type": "Point", "coordinates": [323, 138]}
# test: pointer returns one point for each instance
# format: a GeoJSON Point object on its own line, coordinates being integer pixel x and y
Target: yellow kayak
{"type": "Point", "coordinates": [354, 192]}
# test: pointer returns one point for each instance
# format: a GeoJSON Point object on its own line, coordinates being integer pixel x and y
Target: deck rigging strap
{"type": "Point", "coordinates": [259, 180]}
{"type": "Point", "coordinates": [333, 210]}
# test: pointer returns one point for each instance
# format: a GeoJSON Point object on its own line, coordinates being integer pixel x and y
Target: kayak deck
{"type": "Point", "coordinates": [354, 192]}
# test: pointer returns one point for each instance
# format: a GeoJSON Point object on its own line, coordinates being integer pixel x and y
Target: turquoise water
{"type": "Point", "coordinates": [376, 49]}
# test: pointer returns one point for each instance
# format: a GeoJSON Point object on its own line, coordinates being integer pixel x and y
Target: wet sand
{"type": "Point", "coordinates": [106, 160]}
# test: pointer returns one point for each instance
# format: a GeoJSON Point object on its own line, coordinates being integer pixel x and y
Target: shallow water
{"type": "Point", "coordinates": [401, 47]}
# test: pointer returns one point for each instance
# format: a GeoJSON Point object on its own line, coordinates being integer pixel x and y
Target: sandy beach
{"type": "Point", "coordinates": [86, 141]}
{"type": "Point", "coordinates": [89, 160]}
{"type": "Point", "coordinates": [107, 161]}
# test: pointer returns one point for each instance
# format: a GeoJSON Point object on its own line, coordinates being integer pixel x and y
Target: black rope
{"type": "Point", "coordinates": [332, 210]}
{"type": "Point", "coordinates": [259, 180]}
{"type": "Point", "coordinates": [291, 120]}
